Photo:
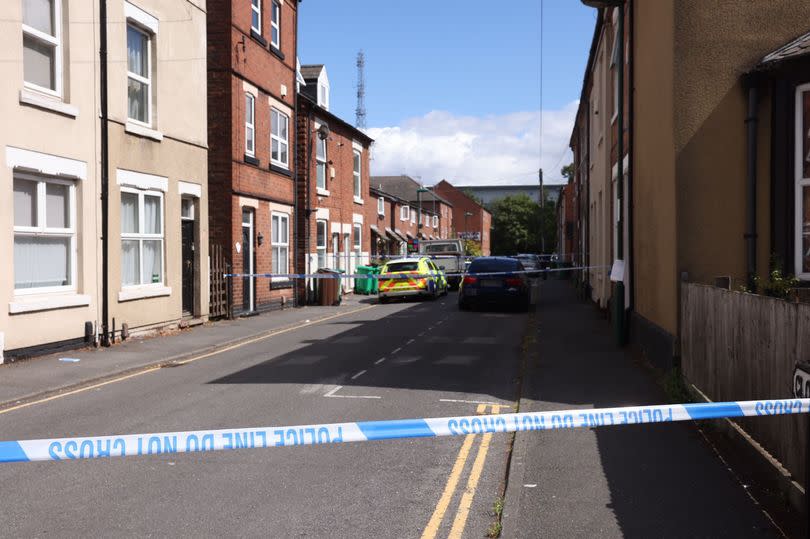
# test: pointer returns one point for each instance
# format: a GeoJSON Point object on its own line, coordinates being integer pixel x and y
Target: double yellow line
{"type": "Point", "coordinates": [464, 505]}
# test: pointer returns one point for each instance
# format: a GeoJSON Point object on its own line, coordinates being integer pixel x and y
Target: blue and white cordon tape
{"type": "Point", "coordinates": [219, 440]}
{"type": "Point", "coordinates": [400, 276]}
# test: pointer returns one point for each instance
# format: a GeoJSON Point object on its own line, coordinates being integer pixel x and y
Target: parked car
{"type": "Point", "coordinates": [495, 280]}
{"type": "Point", "coordinates": [530, 263]}
{"type": "Point", "coordinates": [411, 277]}
{"type": "Point", "coordinates": [448, 255]}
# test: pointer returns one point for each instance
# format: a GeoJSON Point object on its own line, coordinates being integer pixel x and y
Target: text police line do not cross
{"type": "Point", "coordinates": [362, 431]}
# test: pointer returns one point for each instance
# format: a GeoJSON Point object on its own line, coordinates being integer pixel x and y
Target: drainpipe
{"type": "Point", "coordinates": [296, 179]}
{"type": "Point", "coordinates": [630, 154]}
{"type": "Point", "coordinates": [751, 123]}
{"type": "Point", "coordinates": [618, 298]}
{"type": "Point", "coordinates": [105, 176]}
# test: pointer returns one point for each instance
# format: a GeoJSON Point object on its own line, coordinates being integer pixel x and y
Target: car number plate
{"type": "Point", "coordinates": [490, 282]}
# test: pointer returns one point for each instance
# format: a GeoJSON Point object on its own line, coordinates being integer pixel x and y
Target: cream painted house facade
{"type": "Point", "coordinates": [50, 175]}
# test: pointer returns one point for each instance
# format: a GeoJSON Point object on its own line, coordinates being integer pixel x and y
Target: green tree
{"type": "Point", "coordinates": [472, 248]}
{"type": "Point", "coordinates": [519, 225]}
{"type": "Point", "coordinates": [568, 172]}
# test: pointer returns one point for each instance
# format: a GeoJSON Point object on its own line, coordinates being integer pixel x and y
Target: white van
{"type": "Point", "coordinates": [448, 255]}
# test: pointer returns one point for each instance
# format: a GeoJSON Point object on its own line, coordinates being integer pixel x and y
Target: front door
{"type": "Point", "coordinates": [188, 266]}
{"type": "Point", "coordinates": [248, 288]}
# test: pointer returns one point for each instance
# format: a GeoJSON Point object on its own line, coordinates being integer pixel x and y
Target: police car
{"type": "Point", "coordinates": [411, 277]}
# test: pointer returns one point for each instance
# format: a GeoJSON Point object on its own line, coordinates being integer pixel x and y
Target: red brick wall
{"type": "Point", "coordinates": [479, 221]}
{"type": "Point", "coordinates": [233, 58]}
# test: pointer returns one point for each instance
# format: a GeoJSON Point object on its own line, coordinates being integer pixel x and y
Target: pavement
{"type": "Point", "coordinates": [48, 374]}
{"type": "Point", "coordinates": [659, 480]}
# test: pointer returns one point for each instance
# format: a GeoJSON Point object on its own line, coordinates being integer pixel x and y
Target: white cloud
{"type": "Point", "coordinates": [469, 150]}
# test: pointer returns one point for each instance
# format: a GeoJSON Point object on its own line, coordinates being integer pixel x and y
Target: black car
{"type": "Point", "coordinates": [495, 280]}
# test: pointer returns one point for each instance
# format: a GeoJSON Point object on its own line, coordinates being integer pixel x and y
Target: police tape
{"type": "Point", "coordinates": [387, 276]}
{"type": "Point", "coordinates": [164, 443]}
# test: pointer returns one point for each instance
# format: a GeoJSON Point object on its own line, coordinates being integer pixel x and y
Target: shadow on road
{"type": "Point", "coordinates": [427, 346]}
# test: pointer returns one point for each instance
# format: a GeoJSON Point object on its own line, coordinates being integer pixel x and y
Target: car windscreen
{"type": "Point", "coordinates": [441, 248]}
{"type": "Point", "coordinates": [494, 265]}
{"type": "Point", "coordinates": [401, 266]}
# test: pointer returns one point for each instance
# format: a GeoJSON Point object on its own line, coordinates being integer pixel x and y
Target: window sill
{"type": "Point", "coordinates": [321, 192]}
{"type": "Point", "coordinates": [281, 170]}
{"type": "Point", "coordinates": [141, 131]}
{"type": "Point", "coordinates": [252, 161]}
{"type": "Point", "coordinates": [40, 303]}
{"type": "Point", "coordinates": [358, 200]}
{"type": "Point", "coordinates": [258, 37]}
{"type": "Point", "coordinates": [143, 292]}
{"type": "Point", "coordinates": [35, 99]}
{"type": "Point", "coordinates": [277, 52]}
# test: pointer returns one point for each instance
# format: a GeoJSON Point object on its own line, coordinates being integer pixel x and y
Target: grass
{"type": "Point", "coordinates": [497, 510]}
{"type": "Point", "coordinates": [675, 387]}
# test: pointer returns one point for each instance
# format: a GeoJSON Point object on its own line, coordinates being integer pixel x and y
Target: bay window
{"type": "Point", "coordinates": [141, 237]}
{"type": "Point", "coordinates": [44, 234]}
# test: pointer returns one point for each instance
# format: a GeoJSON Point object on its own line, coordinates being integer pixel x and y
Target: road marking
{"type": "Point", "coordinates": [184, 362]}
{"type": "Point", "coordinates": [358, 375]}
{"type": "Point", "coordinates": [475, 402]}
{"type": "Point", "coordinates": [396, 350]}
{"type": "Point", "coordinates": [379, 361]}
{"type": "Point", "coordinates": [333, 391]}
{"type": "Point", "coordinates": [75, 391]}
{"type": "Point", "coordinates": [421, 334]}
{"type": "Point", "coordinates": [530, 485]}
{"type": "Point", "coordinates": [472, 483]}
{"type": "Point", "coordinates": [450, 488]}
{"type": "Point", "coordinates": [353, 396]}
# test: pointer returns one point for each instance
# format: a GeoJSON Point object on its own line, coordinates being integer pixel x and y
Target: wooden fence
{"type": "Point", "coordinates": [737, 346]}
{"type": "Point", "coordinates": [220, 292]}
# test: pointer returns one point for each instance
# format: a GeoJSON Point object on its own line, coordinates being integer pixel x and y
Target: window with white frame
{"type": "Point", "coordinates": [256, 16]}
{"type": "Point", "coordinates": [614, 64]}
{"type": "Point", "coordinates": [435, 221]}
{"type": "Point", "coordinates": [404, 213]}
{"type": "Point", "coordinates": [381, 206]}
{"type": "Point", "coordinates": [320, 242]}
{"type": "Point", "coordinates": [357, 231]}
{"type": "Point", "coordinates": [250, 125]}
{"type": "Point", "coordinates": [802, 190]}
{"type": "Point", "coordinates": [320, 159]}
{"type": "Point", "coordinates": [323, 96]}
{"type": "Point", "coordinates": [280, 243]}
{"type": "Point", "coordinates": [141, 237]}
{"type": "Point", "coordinates": [139, 75]}
{"type": "Point", "coordinates": [42, 45]}
{"type": "Point", "coordinates": [413, 215]}
{"type": "Point", "coordinates": [356, 173]}
{"type": "Point", "coordinates": [44, 234]}
{"type": "Point", "coordinates": [279, 145]}
{"type": "Point", "coordinates": [275, 25]}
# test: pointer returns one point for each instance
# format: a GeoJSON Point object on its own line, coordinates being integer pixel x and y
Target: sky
{"type": "Point", "coordinates": [453, 87]}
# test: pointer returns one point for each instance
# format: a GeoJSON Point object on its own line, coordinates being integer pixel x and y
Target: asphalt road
{"type": "Point", "coordinates": [392, 361]}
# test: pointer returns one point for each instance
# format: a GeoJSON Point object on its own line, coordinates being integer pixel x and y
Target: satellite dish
{"type": "Point", "coordinates": [323, 132]}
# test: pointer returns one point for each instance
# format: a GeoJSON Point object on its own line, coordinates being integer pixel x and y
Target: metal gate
{"type": "Point", "coordinates": [221, 287]}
